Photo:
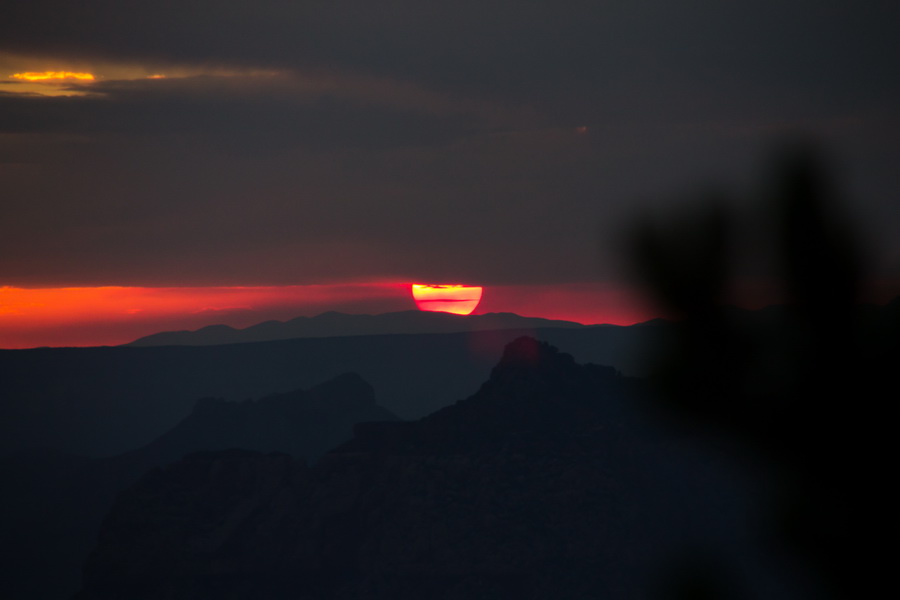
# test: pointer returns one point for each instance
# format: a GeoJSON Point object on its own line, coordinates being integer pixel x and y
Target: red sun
{"type": "Point", "coordinates": [456, 299]}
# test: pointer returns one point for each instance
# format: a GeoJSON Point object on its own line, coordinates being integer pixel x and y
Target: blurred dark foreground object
{"type": "Point", "coordinates": [807, 390]}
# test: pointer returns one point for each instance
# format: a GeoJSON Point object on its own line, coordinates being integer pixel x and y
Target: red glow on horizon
{"type": "Point", "coordinates": [456, 299]}
{"type": "Point", "coordinates": [112, 315]}
{"type": "Point", "coordinates": [106, 316]}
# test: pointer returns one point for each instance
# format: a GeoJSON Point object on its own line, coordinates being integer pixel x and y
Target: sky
{"type": "Point", "coordinates": [305, 147]}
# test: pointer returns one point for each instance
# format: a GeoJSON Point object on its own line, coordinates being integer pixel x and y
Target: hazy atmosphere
{"type": "Point", "coordinates": [493, 143]}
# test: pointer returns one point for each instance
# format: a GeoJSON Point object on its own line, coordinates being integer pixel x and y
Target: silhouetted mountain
{"type": "Point", "coordinates": [53, 503]}
{"type": "Point", "coordinates": [537, 486]}
{"type": "Point", "coordinates": [104, 401]}
{"type": "Point", "coordinates": [533, 388]}
{"type": "Point", "coordinates": [333, 324]}
{"type": "Point", "coordinates": [304, 424]}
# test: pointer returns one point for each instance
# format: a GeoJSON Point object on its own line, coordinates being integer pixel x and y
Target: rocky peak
{"type": "Point", "coordinates": [528, 358]}
{"type": "Point", "coordinates": [534, 388]}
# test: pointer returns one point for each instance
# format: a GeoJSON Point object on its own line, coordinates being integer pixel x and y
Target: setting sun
{"type": "Point", "coordinates": [456, 299]}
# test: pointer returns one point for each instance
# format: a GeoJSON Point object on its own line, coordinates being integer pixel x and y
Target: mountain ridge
{"type": "Point", "coordinates": [103, 401]}
{"type": "Point", "coordinates": [337, 324]}
{"type": "Point", "coordinates": [304, 423]}
{"type": "Point", "coordinates": [535, 486]}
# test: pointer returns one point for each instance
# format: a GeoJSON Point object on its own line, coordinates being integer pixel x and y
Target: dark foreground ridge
{"type": "Point", "coordinates": [54, 503]}
{"type": "Point", "coordinates": [534, 487]}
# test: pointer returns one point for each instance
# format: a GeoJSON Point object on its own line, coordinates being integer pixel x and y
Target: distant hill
{"type": "Point", "coordinates": [105, 401]}
{"type": "Point", "coordinates": [302, 423]}
{"type": "Point", "coordinates": [333, 324]}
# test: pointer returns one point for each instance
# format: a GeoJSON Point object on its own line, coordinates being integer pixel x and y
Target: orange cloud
{"type": "Point", "coordinates": [51, 75]}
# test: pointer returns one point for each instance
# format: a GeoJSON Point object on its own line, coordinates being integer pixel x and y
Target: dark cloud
{"type": "Point", "coordinates": [247, 114]}
{"type": "Point", "coordinates": [490, 44]}
{"type": "Point", "coordinates": [338, 140]}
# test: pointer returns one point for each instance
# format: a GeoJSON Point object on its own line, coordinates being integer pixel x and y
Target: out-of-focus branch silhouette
{"type": "Point", "coordinates": [806, 388]}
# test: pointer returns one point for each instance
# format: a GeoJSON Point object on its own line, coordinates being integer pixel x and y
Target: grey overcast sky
{"type": "Point", "coordinates": [273, 142]}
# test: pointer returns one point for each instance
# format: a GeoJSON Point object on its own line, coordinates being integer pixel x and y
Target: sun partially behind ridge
{"type": "Point", "coordinates": [456, 299]}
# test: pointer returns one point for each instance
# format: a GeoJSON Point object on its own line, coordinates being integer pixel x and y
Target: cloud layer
{"type": "Point", "coordinates": [487, 142]}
